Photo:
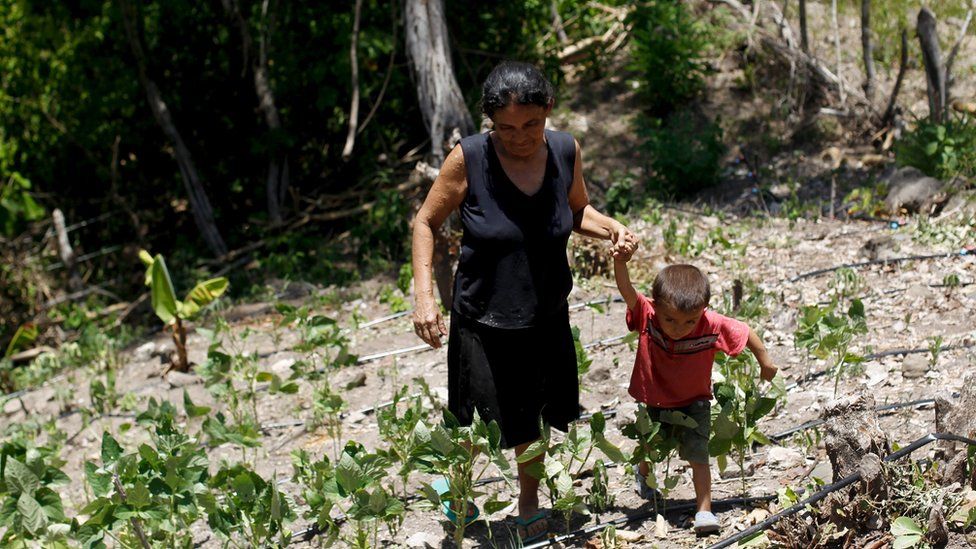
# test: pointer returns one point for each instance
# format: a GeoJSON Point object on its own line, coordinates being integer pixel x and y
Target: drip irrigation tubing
{"type": "Point", "coordinates": [830, 488]}
{"type": "Point", "coordinates": [884, 408]}
{"type": "Point", "coordinates": [965, 251]}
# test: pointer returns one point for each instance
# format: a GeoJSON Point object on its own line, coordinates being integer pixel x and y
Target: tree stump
{"type": "Point", "coordinates": [851, 432]}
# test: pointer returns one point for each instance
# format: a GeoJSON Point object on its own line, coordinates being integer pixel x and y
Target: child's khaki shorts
{"type": "Point", "coordinates": [694, 442]}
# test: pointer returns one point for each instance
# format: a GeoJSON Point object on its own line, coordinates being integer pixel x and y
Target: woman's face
{"type": "Point", "coordinates": [521, 128]}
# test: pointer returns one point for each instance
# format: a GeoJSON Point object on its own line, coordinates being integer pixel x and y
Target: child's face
{"type": "Point", "coordinates": [676, 324]}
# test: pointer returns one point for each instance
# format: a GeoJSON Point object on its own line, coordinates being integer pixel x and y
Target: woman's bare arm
{"type": "Point", "coordinates": [445, 196]}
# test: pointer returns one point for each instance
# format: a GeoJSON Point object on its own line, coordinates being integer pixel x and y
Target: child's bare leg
{"type": "Point", "coordinates": [701, 476]}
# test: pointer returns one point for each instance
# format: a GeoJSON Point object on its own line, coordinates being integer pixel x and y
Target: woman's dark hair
{"type": "Point", "coordinates": [512, 81]}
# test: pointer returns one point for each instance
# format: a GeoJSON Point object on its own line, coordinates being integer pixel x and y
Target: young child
{"type": "Point", "coordinates": [679, 338]}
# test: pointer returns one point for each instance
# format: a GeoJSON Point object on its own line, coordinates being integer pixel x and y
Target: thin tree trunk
{"type": "Point", "coordinates": [277, 182]}
{"type": "Point", "coordinates": [199, 203]}
{"type": "Point", "coordinates": [65, 252]}
{"type": "Point", "coordinates": [836, 28]}
{"type": "Point", "coordinates": [441, 104]}
{"type": "Point", "coordinates": [354, 64]}
{"type": "Point", "coordinates": [951, 59]}
{"type": "Point", "coordinates": [867, 50]}
{"type": "Point", "coordinates": [804, 37]}
{"type": "Point", "coordinates": [932, 56]}
{"type": "Point", "coordinates": [557, 23]}
{"type": "Point", "coordinates": [892, 102]}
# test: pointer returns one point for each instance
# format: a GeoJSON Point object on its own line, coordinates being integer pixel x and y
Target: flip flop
{"type": "Point", "coordinates": [525, 523]}
{"type": "Point", "coordinates": [443, 489]}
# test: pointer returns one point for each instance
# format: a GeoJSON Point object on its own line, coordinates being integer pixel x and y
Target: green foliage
{"type": "Point", "coordinates": [741, 405]}
{"type": "Point", "coordinates": [669, 45]}
{"type": "Point", "coordinates": [450, 450]}
{"type": "Point", "coordinates": [393, 297]}
{"type": "Point", "coordinates": [940, 150]}
{"type": "Point", "coordinates": [657, 442]}
{"type": "Point", "coordinates": [398, 430]}
{"type": "Point", "coordinates": [684, 151]}
{"type": "Point", "coordinates": [583, 361]}
{"type": "Point", "coordinates": [241, 504]}
{"type": "Point", "coordinates": [623, 196]}
{"type": "Point", "coordinates": [30, 504]}
{"type": "Point", "coordinates": [17, 206]}
{"type": "Point", "coordinates": [867, 200]}
{"type": "Point", "coordinates": [827, 334]}
{"type": "Point", "coordinates": [382, 232]}
{"type": "Point", "coordinates": [907, 533]}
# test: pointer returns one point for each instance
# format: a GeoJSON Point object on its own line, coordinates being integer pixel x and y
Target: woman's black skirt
{"type": "Point", "coordinates": [513, 376]}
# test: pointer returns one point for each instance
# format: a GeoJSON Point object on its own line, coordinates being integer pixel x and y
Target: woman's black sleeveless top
{"type": "Point", "coordinates": [513, 271]}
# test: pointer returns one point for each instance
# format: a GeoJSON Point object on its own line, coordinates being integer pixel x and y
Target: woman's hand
{"type": "Point", "coordinates": [623, 241]}
{"type": "Point", "coordinates": [428, 323]}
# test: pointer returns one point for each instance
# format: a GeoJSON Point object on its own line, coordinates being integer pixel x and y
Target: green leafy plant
{"type": "Point", "coordinates": [394, 298]}
{"type": "Point", "coordinates": [657, 442]}
{"type": "Point", "coordinates": [740, 405]}
{"type": "Point", "coordinates": [684, 152]}
{"type": "Point", "coordinates": [827, 335]}
{"type": "Point", "coordinates": [327, 409]}
{"type": "Point", "coordinates": [31, 511]}
{"type": "Point", "coordinates": [846, 284]}
{"type": "Point", "coordinates": [940, 150]}
{"type": "Point", "coordinates": [867, 200]}
{"type": "Point", "coordinates": [397, 431]}
{"type": "Point", "coordinates": [935, 349]}
{"type": "Point", "coordinates": [353, 486]}
{"type": "Point", "coordinates": [17, 206]}
{"type": "Point", "coordinates": [556, 469]}
{"type": "Point", "coordinates": [583, 361]}
{"type": "Point", "coordinates": [451, 450]}
{"type": "Point", "coordinates": [150, 495]}
{"type": "Point", "coordinates": [174, 312]}
{"type": "Point", "coordinates": [242, 505]}
{"type": "Point", "coordinates": [907, 533]}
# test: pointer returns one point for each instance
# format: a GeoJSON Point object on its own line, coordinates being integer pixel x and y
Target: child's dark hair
{"type": "Point", "coordinates": [512, 81]}
{"type": "Point", "coordinates": [683, 287]}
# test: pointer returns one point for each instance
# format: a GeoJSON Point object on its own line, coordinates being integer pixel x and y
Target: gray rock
{"type": "Point", "coordinates": [880, 247]}
{"type": "Point", "coordinates": [911, 190]}
{"type": "Point", "coordinates": [962, 201]}
{"type": "Point", "coordinates": [914, 366]}
{"type": "Point", "coordinates": [780, 457]}
{"type": "Point", "coordinates": [144, 352]}
{"type": "Point", "coordinates": [180, 379]}
{"type": "Point", "coordinates": [12, 406]}
{"type": "Point", "coordinates": [422, 540]}
{"type": "Point", "coordinates": [938, 531]}
{"type": "Point", "coordinates": [599, 375]}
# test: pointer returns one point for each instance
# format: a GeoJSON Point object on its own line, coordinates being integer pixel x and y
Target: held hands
{"type": "Point", "coordinates": [623, 243]}
{"type": "Point", "coordinates": [428, 323]}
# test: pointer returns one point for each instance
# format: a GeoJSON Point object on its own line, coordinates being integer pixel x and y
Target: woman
{"type": "Point", "coordinates": [520, 192]}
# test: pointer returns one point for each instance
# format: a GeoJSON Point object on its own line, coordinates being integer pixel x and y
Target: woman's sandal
{"type": "Point", "coordinates": [523, 525]}
{"type": "Point", "coordinates": [443, 489]}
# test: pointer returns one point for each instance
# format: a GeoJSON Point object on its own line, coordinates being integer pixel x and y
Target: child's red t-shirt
{"type": "Point", "coordinates": [671, 373]}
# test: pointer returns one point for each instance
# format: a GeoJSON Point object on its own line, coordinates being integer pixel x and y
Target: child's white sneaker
{"type": "Point", "coordinates": [645, 491]}
{"type": "Point", "coordinates": [706, 523]}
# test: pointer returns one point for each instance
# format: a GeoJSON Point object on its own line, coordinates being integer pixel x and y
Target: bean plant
{"type": "Point", "coordinates": [556, 470]}
{"type": "Point", "coordinates": [31, 511]}
{"type": "Point", "coordinates": [351, 488]}
{"type": "Point", "coordinates": [452, 451]}
{"type": "Point", "coordinates": [397, 431]}
{"type": "Point", "coordinates": [245, 509]}
{"type": "Point", "coordinates": [656, 443]}
{"type": "Point", "coordinates": [829, 335]}
{"type": "Point", "coordinates": [741, 403]}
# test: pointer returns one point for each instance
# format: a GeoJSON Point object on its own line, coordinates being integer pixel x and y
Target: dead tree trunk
{"type": "Point", "coordinates": [441, 104]}
{"type": "Point", "coordinates": [804, 37]}
{"type": "Point", "coordinates": [951, 58]}
{"type": "Point", "coordinates": [354, 65]}
{"type": "Point", "coordinates": [199, 203]}
{"type": "Point", "coordinates": [65, 252]}
{"type": "Point", "coordinates": [557, 23]}
{"type": "Point", "coordinates": [867, 49]}
{"type": "Point", "coordinates": [928, 38]}
{"type": "Point", "coordinates": [889, 114]}
{"type": "Point", "coordinates": [276, 184]}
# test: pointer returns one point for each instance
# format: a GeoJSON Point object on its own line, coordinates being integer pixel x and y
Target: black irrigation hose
{"type": "Point", "coordinates": [884, 408]}
{"type": "Point", "coordinates": [818, 272]}
{"type": "Point", "coordinates": [830, 488]}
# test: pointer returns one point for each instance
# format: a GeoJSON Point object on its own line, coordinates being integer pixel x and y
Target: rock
{"type": "Point", "coordinates": [823, 471]}
{"type": "Point", "coordinates": [144, 352]}
{"type": "Point", "coordinates": [914, 366]}
{"type": "Point", "coordinates": [358, 381]}
{"type": "Point", "coordinates": [629, 536]}
{"type": "Point", "coordinates": [851, 431]}
{"type": "Point", "coordinates": [355, 417]}
{"type": "Point", "coordinates": [963, 202]}
{"type": "Point", "coordinates": [919, 293]}
{"type": "Point", "coordinates": [880, 247]}
{"type": "Point", "coordinates": [626, 413]}
{"type": "Point", "coordinates": [780, 457]}
{"type": "Point", "coordinates": [180, 379]}
{"type": "Point", "coordinates": [12, 406]}
{"type": "Point", "coordinates": [599, 375]}
{"type": "Point", "coordinates": [422, 539]}
{"type": "Point", "coordinates": [911, 190]}
{"type": "Point", "coordinates": [282, 366]}
{"type": "Point", "coordinates": [938, 531]}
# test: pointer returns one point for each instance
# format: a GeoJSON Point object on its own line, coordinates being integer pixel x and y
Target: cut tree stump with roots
{"type": "Point", "coordinates": [851, 432]}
